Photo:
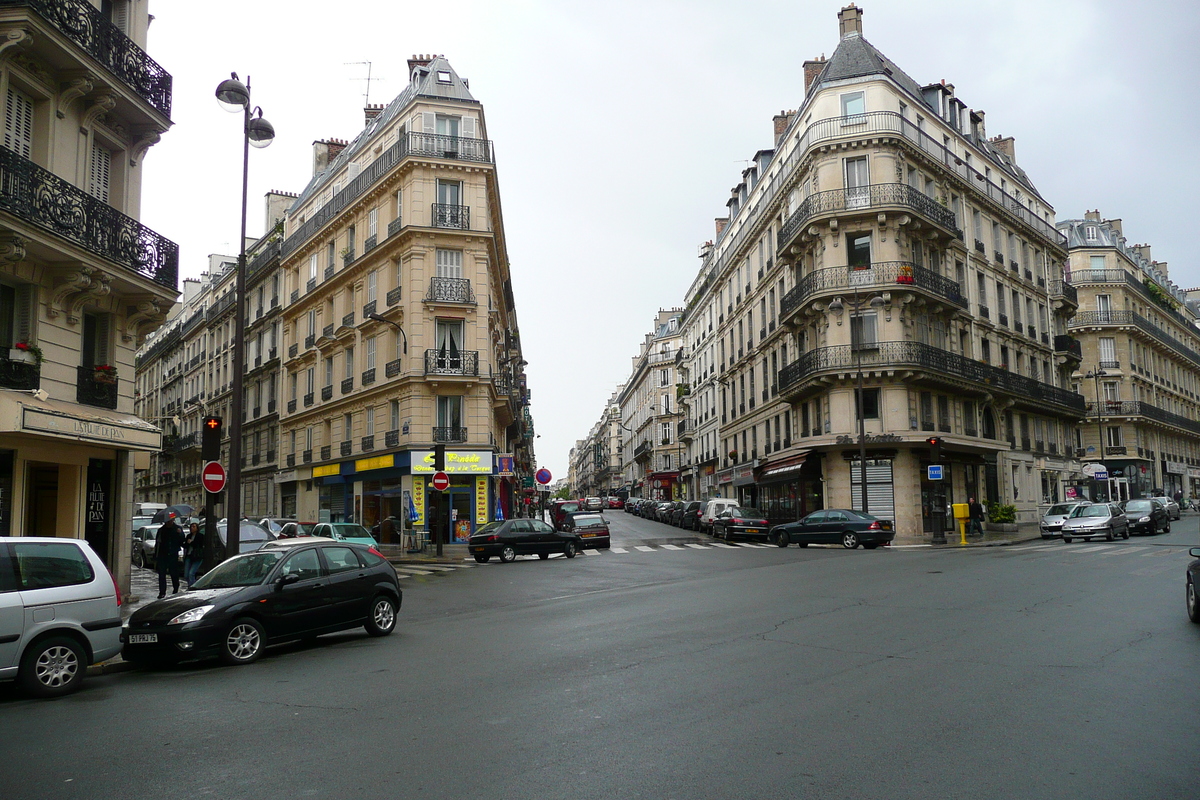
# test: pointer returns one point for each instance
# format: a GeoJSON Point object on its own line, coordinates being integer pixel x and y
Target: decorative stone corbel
{"type": "Point", "coordinates": [141, 319]}
{"type": "Point", "coordinates": [12, 248]}
{"type": "Point", "coordinates": [14, 40]}
{"type": "Point", "coordinates": [74, 89]}
{"type": "Point", "coordinates": [881, 218]}
{"type": "Point", "coordinates": [73, 283]}
{"type": "Point", "coordinates": [142, 142]}
{"type": "Point", "coordinates": [97, 290]}
{"type": "Point", "coordinates": [101, 105]}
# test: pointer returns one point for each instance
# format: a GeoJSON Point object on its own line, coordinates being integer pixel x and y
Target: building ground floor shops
{"type": "Point", "coordinates": [66, 470]}
{"type": "Point", "coordinates": [393, 491]}
{"type": "Point", "coordinates": [898, 487]}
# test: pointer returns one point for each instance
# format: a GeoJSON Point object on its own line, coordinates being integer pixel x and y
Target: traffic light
{"type": "Point", "coordinates": [210, 438]}
{"type": "Point", "coordinates": [439, 458]}
{"type": "Point", "coordinates": [935, 449]}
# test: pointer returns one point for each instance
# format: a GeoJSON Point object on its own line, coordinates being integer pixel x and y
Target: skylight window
{"type": "Point", "coordinates": [443, 76]}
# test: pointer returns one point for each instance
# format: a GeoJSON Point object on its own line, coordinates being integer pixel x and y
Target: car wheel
{"type": "Point", "coordinates": [1066, 539]}
{"type": "Point", "coordinates": [543, 556]}
{"type": "Point", "coordinates": [781, 538]}
{"type": "Point", "coordinates": [483, 559]}
{"type": "Point", "coordinates": [383, 616]}
{"type": "Point", "coordinates": [1109, 535]}
{"type": "Point", "coordinates": [1125, 533]}
{"type": "Point", "coordinates": [1167, 527]}
{"type": "Point", "coordinates": [849, 540]}
{"type": "Point", "coordinates": [1193, 607]}
{"type": "Point", "coordinates": [569, 549]}
{"type": "Point", "coordinates": [244, 642]}
{"type": "Point", "coordinates": [508, 553]}
{"type": "Point", "coordinates": [139, 560]}
{"type": "Point", "coordinates": [53, 667]}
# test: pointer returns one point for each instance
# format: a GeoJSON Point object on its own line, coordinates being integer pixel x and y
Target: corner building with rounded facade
{"type": "Point", "coordinates": [885, 241]}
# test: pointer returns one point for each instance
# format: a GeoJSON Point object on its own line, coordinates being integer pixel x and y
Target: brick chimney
{"type": "Point", "coordinates": [850, 21]}
{"type": "Point", "coordinates": [780, 122]}
{"type": "Point", "coordinates": [1006, 145]}
{"type": "Point", "coordinates": [324, 152]}
{"type": "Point", "coordinates": [372, 111]}
{"type": "Point", "coordinates": [722, 223]}
{"type": "Point", "coordinates": [419, 61]}
{"type": "Point", "coordinates": [1092, 216]}
{"type": "Point", "coordinates": [812, 69]}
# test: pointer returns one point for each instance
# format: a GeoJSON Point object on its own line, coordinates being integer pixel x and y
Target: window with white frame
{"type": "Point", "coordinates": [448, 263]}
{"type": "Point", "coordinates": [854, 106]}
{"type": "Point", "coordinates": [372, 286]}
{"type": "Point", "coordinates": [349, 362]}
{"type": "Point", "coordinates": [312, 267]}
{"type": "Point", "coordinates": [370, 353]}
{"type": "Point", "coordinates": [373, 222]}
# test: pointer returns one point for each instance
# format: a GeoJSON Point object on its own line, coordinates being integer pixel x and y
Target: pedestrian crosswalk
{"type": "Point", "coordinates": [1124, 552]}
{"type": "Point", "coordinates": [643, 548]}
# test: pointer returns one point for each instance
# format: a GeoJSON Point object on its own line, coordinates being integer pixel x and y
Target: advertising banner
{"type": "Point", "coordinates": [481, 500]}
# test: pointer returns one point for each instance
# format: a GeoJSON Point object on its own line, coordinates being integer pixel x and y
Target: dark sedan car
{"type": "Point", "coordinates": [741, 522]}
{"type": "Point", "coordinates": [689, 518]}
{"type": "Point", "coordinates": [836, 526]}
{"type": "Point", "coordinates": [1193, 575]}
{"type": "Point", "coordinates": [287, 589]}
{"type": "Point", "coordinates": [514, 537]}
{"type": "Point", "coordinates": [590, 527]}
{"type": "Point", "coordinates": [1147, 516]}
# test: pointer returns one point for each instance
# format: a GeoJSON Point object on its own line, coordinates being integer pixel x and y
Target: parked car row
{"type": "Point", "coordinates": [510, 538]}
{"type": "Point", "coordinates": [1084, 519]}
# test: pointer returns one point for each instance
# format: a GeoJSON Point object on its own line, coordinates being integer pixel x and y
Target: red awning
{"type": "Point", "coordinates": [793, 463]}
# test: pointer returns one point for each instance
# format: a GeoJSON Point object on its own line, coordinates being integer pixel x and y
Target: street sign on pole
{"type": "Point", "coordinates": [212, 477]}
{"type": "Point", "coordinates": [440, 481]}
{"type": "Point", "coordinates": [543, 476]}
{"type": "Point", "coordinates": [935, 472]}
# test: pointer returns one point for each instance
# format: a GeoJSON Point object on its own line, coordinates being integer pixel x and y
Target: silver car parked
{"type": "Point", "coordinates": [60, 611]}
{"type": "Point", "coordinates": [1052, 520]}
{"type": "Point", "coordinates": [1098, 519]}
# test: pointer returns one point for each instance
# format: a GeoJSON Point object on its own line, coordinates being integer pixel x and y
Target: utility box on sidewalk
{"type": "Point", "coordinates": [961, 511]}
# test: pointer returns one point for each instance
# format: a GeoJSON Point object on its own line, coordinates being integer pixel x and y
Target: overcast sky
{"type": "Point", "coordinates": [621, 126]}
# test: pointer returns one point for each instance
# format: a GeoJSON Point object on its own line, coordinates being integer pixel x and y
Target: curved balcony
{"type": "Point", "coordinates": [1068, 346]}
{"type": "Point", "coordinates": [1136, 408]}
{"type": "Point", "coordinates": [916, 355]}
{"type": "Point", "coordinates": [1136, 320]}
{"type": "Point", "coordinates": [883, 275]}
{"type": "Point", "coordinates": [866, 198]}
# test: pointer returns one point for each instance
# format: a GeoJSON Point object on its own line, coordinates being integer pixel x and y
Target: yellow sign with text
{"type": "Point", "coordinates": [418, 498]}
{"type": "Point", "coordinates": [378, 462]}
{"type": "Point", "coordinates": [457, 463]}
{"type": "Point", "coordinates": [481, 500]}
{"type": "Point", "coordinates": [328, 469]}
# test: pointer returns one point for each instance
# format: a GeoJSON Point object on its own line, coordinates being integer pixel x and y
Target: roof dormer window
{"type": "Point", "coordinates": [1090, 233]}
{"type": "Point", "coordinates": [443, 76]}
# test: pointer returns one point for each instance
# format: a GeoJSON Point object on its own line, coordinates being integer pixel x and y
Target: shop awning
{"type": "Point", "coordinates": [23, 413]}
{"type": "Point", "coordinates": [783, 466]}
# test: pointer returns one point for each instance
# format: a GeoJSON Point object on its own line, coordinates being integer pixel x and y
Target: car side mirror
{"type": "Point", "coordinates": [284, 580]}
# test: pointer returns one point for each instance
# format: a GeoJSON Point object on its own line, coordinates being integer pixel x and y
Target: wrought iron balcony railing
{"type": "Point", "coordinates": [393, 296]}
{"type": "Point", "coordinates": [86, 26]}
{"type": "Point", "coordinates": [1120, 276]}
{"type": "Point", "coordinates": [1137, 408]}
{"type": "Point", "coordinates": [368, 443]}
{"type": "Point", "coordinates": [450, 290]}
{"type": "Point", "coordinates": [876, 195]}
{"type": "Point", "coordinates": [347, 385]}
{"type": "Point", "coordinates": [451, 362]}
{"type": "Point", "coordinates": [926, 357]}
{"type": "Point", "coordinates": [445, 215]}
{"type": "Point", "coordinates": [1064, 290]}
{"type": "Point", "coordinates": [327, 392]}
{"type": "Point", "coordinates": [886, 274]}
{"type": "Point", "coordinates": [392, 368]}
{"type": "Point", "coordinates": [94, 388]}
{"type": "Point", "coordinates": [1068, 345]}
{"type": "Point", "coordinates": [1087, 318]}
{"type": "Point", "coordinates": [41, 198]}
{"type": "Point", "coordinates": [19, 375]}
{"type": "Point", "coordinates": [448, 435]}
{"type": "Point", "coordinates": [391, 439]}
{"type": "Point", "coordinates": [345, 448]}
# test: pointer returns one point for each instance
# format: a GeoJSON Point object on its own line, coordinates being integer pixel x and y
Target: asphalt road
{"type": "Point", "coordinates": [1036, 671]}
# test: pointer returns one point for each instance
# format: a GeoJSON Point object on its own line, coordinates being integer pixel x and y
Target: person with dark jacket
{"type": "Point", "coordinates": [975, 510]}
{"type": "Point", "coordinates": [193, 553]}
{"type": "Point", "coordinates": [166, 556]}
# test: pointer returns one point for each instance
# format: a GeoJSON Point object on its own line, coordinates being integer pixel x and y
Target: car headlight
{"type": "Point", "coordinates": [1144, 519]}
{"type": "Point", "coordinates": [191, 615]}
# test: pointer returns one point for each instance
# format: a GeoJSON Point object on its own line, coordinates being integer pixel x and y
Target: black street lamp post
{"type": "Point", "coordinates": [1096, 375]}
{"type": "Point", "coordinates": [234, 96]}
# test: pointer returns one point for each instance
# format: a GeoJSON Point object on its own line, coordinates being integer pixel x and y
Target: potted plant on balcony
{"type": "Point", "coordinates": [104, 373]}
{"type": "Point", "coordinates": [26, 352]}
{"type": "Point", "coordinates": [905, 274]}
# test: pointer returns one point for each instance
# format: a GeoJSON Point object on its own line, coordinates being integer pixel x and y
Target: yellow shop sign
{"type": "Point", "coordinates": [328, 469]}
{"type": "Point", "coordinates": [471, 462]}
{"type": "Point", "coordinates": [378, 462]}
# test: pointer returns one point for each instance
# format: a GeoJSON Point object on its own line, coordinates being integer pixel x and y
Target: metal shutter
{"type": "Point", "coordinates": [881, 500]}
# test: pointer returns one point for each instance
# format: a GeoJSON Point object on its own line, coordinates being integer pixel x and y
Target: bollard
{"type": "Point", "coordinates": [962, 529]}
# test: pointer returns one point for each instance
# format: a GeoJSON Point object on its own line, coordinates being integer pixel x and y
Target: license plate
{"type": "Point", "coordinates": [752, 530]}
{"type": "Point", "coordinates": [478, 549]}
{"type": "Point", "coordinates": [143, 638]}
{"type": "Point", "coordinates": [588, 535]}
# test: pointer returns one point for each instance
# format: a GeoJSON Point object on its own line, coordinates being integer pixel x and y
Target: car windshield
{"type": "Point", "coordinates": [745, 511]}
{"type": "Point", "coordinates": [1060, 510]}
{"type": "Point", "coordinates": [248, 570]}
{"type": "Point", "coordinates": [351, 530]}
{"type": "Point", "coordinates": [1139, 505]}
{"type": "Point", "coordinates": [589, 521]}
{"type": "Point", "coordinates": [1090, 511]}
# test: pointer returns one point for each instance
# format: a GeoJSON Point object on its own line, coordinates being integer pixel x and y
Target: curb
{"type": "Point", "coordinates": [111, 667]}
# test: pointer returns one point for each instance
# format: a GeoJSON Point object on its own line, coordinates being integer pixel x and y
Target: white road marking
{"type": "Point", "coordinates": [1091, 549]}
{"type": "Point", "coordinates": [644, 549]}
{"type": "Point", "coordinates": [1117, 551]}
{"type": "Point", "coordinates": [724, 546]}
{"type": "Point", "coordinates": [420, 572]}
{"type": "Point", "coordinates": [618, 549]}
{"type": "Point", "coordinates": [699, 546]}
{"type": "Point", "coordinates": [908, 546]}
{"type": "Point", "coordinates": [670, 547]}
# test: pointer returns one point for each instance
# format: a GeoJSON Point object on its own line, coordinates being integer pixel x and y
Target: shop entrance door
{"type": "Point", "coordinates": [935, 497]}
{"type": "Point", "coordinates": [462, 501]}
{"type": "Point", "coordinates": [41, 500]}
{"type": "Point", "coordinates": [1120, 487]}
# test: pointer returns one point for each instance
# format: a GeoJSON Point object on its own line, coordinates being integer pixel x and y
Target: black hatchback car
{"type": "Point", "coordinates": [836, 526]}
{"type": "Point", "coordinates": [741, 521]}
{"type": "Point", "coordinates": [514, 537]}
{"type": "Point", "coordinates": [1147, 516]}
{"type": "Point", "coordinates": [287, 589]}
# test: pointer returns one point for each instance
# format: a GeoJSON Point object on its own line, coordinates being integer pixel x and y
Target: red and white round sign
{"type": "Point", "coordinates": [440, 481]}
{"type": "Point", "coordinates": [212, 477]}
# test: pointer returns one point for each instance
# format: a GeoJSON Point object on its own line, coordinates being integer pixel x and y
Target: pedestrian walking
{"type": "Point", "coordinates": [193, 553]}
{"type": "Point", "coordinates": [166, 556]}
{"type": "Point", "coordinates": [975, 511]}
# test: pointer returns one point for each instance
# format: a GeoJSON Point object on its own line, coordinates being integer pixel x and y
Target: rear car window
{"type": "Point", "coordinates": [340, 559]}
{"type": "Point", "coordinates": [45, 565]}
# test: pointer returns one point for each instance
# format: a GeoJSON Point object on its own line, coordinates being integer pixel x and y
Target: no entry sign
{"type": "Point", "coordinates": [440, 481]}
{"type": "Point", "coordinates": [213, 477]}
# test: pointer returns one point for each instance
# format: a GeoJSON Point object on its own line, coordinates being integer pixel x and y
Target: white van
{"type": "Point", "coordinates": [712, 508]}
{"type": "Point", "coordinates": [147, 509]}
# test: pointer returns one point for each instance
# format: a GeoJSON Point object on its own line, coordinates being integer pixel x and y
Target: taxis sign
{"type": "Point", "coordinates": [460, 462]}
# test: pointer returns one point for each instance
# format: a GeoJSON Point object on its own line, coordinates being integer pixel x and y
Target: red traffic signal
{"type": "Point", "coordinates": [935, 444]}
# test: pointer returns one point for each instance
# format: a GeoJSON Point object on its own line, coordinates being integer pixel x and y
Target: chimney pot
{"type": "Point", "coordinates": [850, 21]}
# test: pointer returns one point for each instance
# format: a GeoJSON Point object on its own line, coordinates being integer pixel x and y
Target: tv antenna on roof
{"type": "Point", "coordinates": [368, 79]}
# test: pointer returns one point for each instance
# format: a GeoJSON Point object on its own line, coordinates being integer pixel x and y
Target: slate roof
{"type": "Point", "coordinates": [423, 83]}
